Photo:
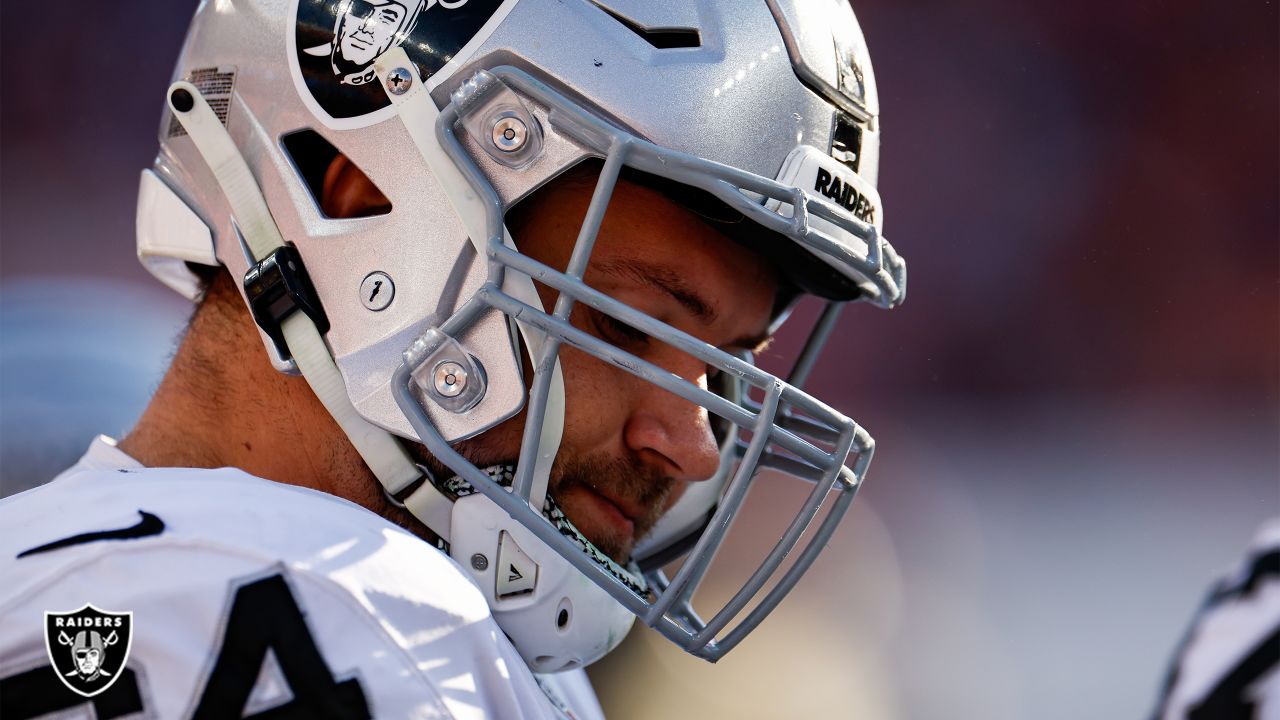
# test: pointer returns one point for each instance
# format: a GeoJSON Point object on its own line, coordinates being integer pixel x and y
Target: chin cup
{"type": "Point", "coordinates": [557, 618]}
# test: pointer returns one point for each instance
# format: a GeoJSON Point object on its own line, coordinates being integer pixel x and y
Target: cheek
{"type": "Point", "coordinates": [596, 398]}
{"type": "Point", "coordinates": [595, 403]}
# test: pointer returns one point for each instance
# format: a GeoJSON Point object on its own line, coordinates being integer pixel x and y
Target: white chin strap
{"type": "Point", "coordinates": [379, 448]}
{"type": "Point", "coordinates": [419, 113]}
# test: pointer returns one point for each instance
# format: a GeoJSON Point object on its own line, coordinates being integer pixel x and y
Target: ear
{"type": "Point", "coordinates": [349, 193]}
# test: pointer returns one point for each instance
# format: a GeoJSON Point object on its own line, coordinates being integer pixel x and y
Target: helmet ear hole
{"type": "Point", "coordinates": [564, 615]}
{"type": "Point", "coordinates": [314, 158]}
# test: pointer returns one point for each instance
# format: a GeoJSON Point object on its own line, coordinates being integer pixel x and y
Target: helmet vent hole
{"type": "Point", "coordinates": [553, 664]}
{"type": "Point", "coordinates": [846, 141]}
{"type": "Point", "coordinates": [666, 38]}
{"type": "Point", "coordinates": [564, 615]}
{"type": "Point", "coordinates": [338, 189]}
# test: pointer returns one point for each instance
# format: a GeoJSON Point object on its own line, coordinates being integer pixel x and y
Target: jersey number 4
{"type": "Point", "coordinates": [264, 617]}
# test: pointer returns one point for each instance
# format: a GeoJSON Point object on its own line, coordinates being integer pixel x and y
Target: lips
{"type": "Point", "coordinates": [629, 510]}
{"type": "Point", "coordinates": [612, 512]}
{"type": "Point", "coordinates": [611, 501]}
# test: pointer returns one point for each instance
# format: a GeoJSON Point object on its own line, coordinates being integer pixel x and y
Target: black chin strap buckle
{"type": "Point", "coordinates": [277, 286]}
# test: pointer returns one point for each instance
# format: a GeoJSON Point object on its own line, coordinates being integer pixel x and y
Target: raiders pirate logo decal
{"type": "Point", "coordinates": [88, 647]}
{"type": "Point", "coordinates": [336, 42]}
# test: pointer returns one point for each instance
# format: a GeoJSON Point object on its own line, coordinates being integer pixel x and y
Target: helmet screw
{"type": "Point", "coordinates": [377, 290]}
{"type": "Point", "coordinates": [450, 378]}
{"type": "Point", "coordinates": [399, 80]}
{"type": "Point", "coordinates": [479, 562]}
{"type": "Point", "coordinates": [510, 134]}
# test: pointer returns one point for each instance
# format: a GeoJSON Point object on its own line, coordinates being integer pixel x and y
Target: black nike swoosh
{"type": "Point", "coordinates": [149, 525]}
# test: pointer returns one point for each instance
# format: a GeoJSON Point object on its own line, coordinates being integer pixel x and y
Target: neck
{"type": "Point", "coordinates": [222, 404]}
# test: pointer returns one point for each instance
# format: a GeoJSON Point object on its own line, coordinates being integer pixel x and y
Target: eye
{"type": "Point", "coordinates": [617, 332]}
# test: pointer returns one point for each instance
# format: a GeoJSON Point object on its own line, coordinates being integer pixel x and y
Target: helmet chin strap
{"type": "Point", "coordinates": [419, 114]}
{"type": "Point", "coordinates": [380, 450]}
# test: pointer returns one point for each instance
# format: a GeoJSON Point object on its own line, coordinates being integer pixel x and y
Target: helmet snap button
{"type": "Point", "coordinates": [450, 378]}
{"type": "Point", "coordinates": [509, 134]}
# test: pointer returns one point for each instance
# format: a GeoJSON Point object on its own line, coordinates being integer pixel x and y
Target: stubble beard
{"type": "Point", "coordinates": [626, 480]}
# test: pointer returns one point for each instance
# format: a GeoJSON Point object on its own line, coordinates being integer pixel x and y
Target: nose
{"type": "Point", "coordinates": [671, 433]}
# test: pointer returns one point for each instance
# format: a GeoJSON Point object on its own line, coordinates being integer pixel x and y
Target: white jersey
{"type": "Point", "coordinates": [245, 596]}
{"type": "Point", "coordinates": [1229, 664]}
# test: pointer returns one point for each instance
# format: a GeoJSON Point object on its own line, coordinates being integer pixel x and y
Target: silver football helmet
{"type": "Point", "coordinates": [410, 323]}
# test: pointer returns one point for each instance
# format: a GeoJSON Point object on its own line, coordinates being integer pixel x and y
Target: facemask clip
{"type": "Point", "coordinates": [498, 120]}
{"type": "Point", "coordinates": [444, 373]}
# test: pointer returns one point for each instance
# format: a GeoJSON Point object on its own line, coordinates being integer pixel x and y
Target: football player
{"type": "Point", "coordinates": [1228, 664]}
{"type": "Point", "coordinates": [471, 366]}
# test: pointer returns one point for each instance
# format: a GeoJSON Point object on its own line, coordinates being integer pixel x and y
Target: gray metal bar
{"type": "Point", "coordinates": [790, 466]}
{"type": "Point", "coordinates": [595, 346]}
{"type": "Point", "coordinates": [882, 266]}
{"type": "Point", "coordinates": [516, 507]}
{"type": "Point", "coordinates": [799, 424]}
{"type": "Point", "coordinates": [649, 372]}
{"type": "Point", "coordinates": [780, 550]}
{"type": "Point", "coordinates": [817, 338]}
{"type": "Point", "coordinates": [820, 539]}
{"type": "Point", "coordinates": [783, 463]}
{"type": "Point", "coordinates": [520, 510]}
{"type": "Point", "coordinates": [682, 611]}
{"type": "Point", "coordinates": [866, 450]}
{"type": "Point", "coordinates": [716, 531]}
{"type": "Point", "coordinates": [811, 406]}
{"type": "Point", "coordinates": [545, 366]}
{"type": "Point", "coordinates": [590, 227]}
{"type": "Point", "coordinates": [464, 317]}
{"type": "Point", "coordinates": [534, 420]}
{"type": "Point", "coordinates": [766, 570]}
{"type": "Point", "coordinates": [672, 336]}
{"type": "Point", "coordinates": [493, 210]}
{"type": "Point", "coordinates": [881, 272]}
{"type": "Point", "coordinates": [471, 310]}
{"type": "Point", "coordinates": [667, 334]}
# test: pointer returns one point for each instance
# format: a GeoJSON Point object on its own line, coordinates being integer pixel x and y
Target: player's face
{"type": "Point", "coordinates": [630, 448]}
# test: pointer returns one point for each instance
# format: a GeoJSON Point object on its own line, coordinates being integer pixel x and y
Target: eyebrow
{"type": "Point", "coordinates": [665, 280]}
